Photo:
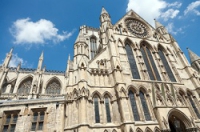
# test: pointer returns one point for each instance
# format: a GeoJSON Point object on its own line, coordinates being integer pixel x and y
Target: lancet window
{"type": "Point", "coordinates": [166, 65]}
{"type": "Point", "coordinates": [25, 86]}
{"type": "Point", "coordinates": [134, 105]}
{"type": "Point", "coordinates": [150, 64]}
{"type": "Point", "coordinates": [96, 109]}
{"type": "Point", "coordinates": [132, 62]}
{"type": "Point", "coordinates": [145, 106]}
{"type": "Point", "coordinates": [53, 87]}
{"type": "Point", "coordinates": [93, 46]}
{"type": "Point", "coordinates": [194, 106]}
{"type": "Point", "coordinates": [107, 106]}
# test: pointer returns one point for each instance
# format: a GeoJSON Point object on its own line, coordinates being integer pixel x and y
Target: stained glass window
{"type": "Point", "coordinates": [53, 87]}
{"type": "Point", "coordinates": [96, 110]}
{"type": "Point", "coordinates": [194, 106]}
{"type": "Point", "coordinates": [166, 66]}
{"type": "Point", "coordinates": [25, 86]}
{"type": "Point", "coordinates": [107, 109]}
{"type": "Point", "coordinates": [134, 106]}
{"type": "Point", "coordinates": [150, 64]}
{"type": "Point", "coordinates": [145, 106]}
{"type": "Point", "coordinates": [93, 47]}
{"type": "Point", "coordinates": [132, 62]}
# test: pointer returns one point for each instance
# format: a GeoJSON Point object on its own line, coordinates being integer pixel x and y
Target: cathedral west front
{"type": "Point", "coordinates": [123, 77]}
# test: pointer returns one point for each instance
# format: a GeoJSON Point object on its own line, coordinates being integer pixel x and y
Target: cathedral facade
{"type": "Point", "coordinates": [124, 77]}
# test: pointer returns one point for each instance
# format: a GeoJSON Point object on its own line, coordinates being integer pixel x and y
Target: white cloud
{"type": "Point", "coordinates": [151, 9]}
{"type": "Point", "coordinates": [16, 60]}
{"type": "Point", "coordinates": [192, 8]}
{"type": "Point", "coordinates": [170, 13]}
{"type": "Point", "coordinates": [171, 29]}
{"type": "Point", "coordinates": [26, 31]}
{"type": "Point", "coordinates": [148, 9]}
{"type": "Point", "coordinates": [175, 4]}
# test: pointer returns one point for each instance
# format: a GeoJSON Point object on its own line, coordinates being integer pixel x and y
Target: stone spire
{"type": "Point", "coordinates": [8, 58]}
{"type": "Point", "coordinates": [103, 11]}
{"type": "Point", "coordinates": [193, 57]}
{"type": "Point", "coordinates": [158, 24]}
{"type": "Point", "coordinates": [161, 29]}
{"type": "Point", "coordinates": [40, 61]}
{"type": "Point", "coordinates": [105, 17]}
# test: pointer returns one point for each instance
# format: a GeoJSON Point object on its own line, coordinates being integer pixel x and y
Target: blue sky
{"type": "Point", "coordinates": [33, 26]}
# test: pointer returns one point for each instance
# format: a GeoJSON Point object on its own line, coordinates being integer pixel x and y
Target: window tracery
{"type": "Point", "coordinates": [166, 65]}
{"type": "Point", "coordinates": [96, 109]}
{"type": "Point", "coordinates": [107, 106]}
{"type": "Point", "coordinates": [192, 103]}
{"type": "Point", "coordinates": [134, 106]}
{"type": "Point", "coordinates": [132, 62]}
{"type": "Point", "coordinates": [53, 87]}
{"type": "Point", "coordinates": [93, 46]}
{"type": "Point", "coordinates": [25, 87]}
{"type": "Point", "coordinates": [145, 106]}
{"type": "Point", "coordinates": [150, 64]}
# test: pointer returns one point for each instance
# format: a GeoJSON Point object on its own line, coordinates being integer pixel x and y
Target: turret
{"type": "Point", "coordinates": [105, 28]}
{"type": "Point", "coordinates": [194, 60]}
{"type": "Point", "coordinates": [162, 30]}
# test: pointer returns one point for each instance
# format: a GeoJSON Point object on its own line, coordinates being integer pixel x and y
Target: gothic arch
{"type": "Point", "coordinates": [148, 130]}
{"type": "Point", "coordinates": [105, 131]}
{"type": "Point", "coordinates": [96, 93]}
{"type": "Point", "coordinates": [53, 86]}
{"type": "Point", "coordinates": [130, 42]}
{"type": "Point", "coordinates": [143, 89]}
{"type": "Point", "coordinates": [75, 93]}
{"type": "Point", "coordinates": [123, 91]}
{"type": "Point", "coordinates": [181, 116]}
{"type": "Point", "coordinates": [162, 48]}
{"type": "Point", "coordinates": [54, 78]}
{"type": "Point", "coordinates": [143, 42]}
{"type": "Point", "coordinates": [106, 93]}
{"type": "Point", "coordinates": [132, 88]}
{"type": "Point", "coordinates": [84, 91]}
{"type": "Point", "coordinates": [114, 130]}
{"type": "Point", "coordinates": [139, 130]}
{"type": "Point", "coordinates": [24, 78]}
{"type": "Point", "coordinates": [25, 89]}
{"type": "Point", "coordinates": [156, 129]}
{"type": "Point", "coordinates": [120, 43]}
{"type": "Point", "coordinates": [181, 91]}
{"type": "Point", "coordinates": [189, 92]}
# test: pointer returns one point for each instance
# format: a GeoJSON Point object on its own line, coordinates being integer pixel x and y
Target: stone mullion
{"type": "Point", "coordinates": [140, 62]}
{"type": "Point", "coordinates": [150, 107]}
{"type": "Point", "coordinates": [190, 107]}
{"type": "Point", "coordinates": [140, 109]}
{"type": "Point", "coordinates": [101, 113]}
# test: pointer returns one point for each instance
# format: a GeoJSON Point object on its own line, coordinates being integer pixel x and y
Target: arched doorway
{"type": "Point", "coordinates": [178, 121]}
{"type": "Point", "coordinates": [176, 125]}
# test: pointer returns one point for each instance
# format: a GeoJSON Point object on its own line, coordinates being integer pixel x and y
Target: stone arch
{"type": "Point", "coordinates": [75, 93]}
{"type": "Point", "coordinates": [181, 91]}
{"type": "Point", "coordinates": [180, 116]}
{"type": "Point", "coordinates": [84, 92]}
{"type": "Point", "coordinates": [53, 86]}
{"type": "Point", "coordinates": [24, 78]}
{"type": "Point", "coordinates": [131, 130]}
{"type": "Point", "coordinates": [130, 42]}
{"type": "Point", "coordinates": [143, 42]}
{"type": "Point", "coordinates": [54, 78]}
{"type": "Point", "coordinates": [156, 129]}
{"type": "Point", "coordinates": [105, 131]}
{"type": "Point", "coordinates": [143, 89]}
{"type": "Point", "coordinates": [25, 89]}
{"type": "Point", "coordinates": [189, 92]}
{"type": "Point", "coordinates": [162, 48]}
{"type": "Point", "coordinates": [139, 130]}
{"type": "Point", "coordinates": [148, 130]}
{"type": "Point", "coordinates": [114, 130]}
{"type": "Point", "coordinates": [96, 93]}
{"type": "Point", "coordinates": [132, 88]}
{"type": "Point", "coordinates": [120, 43]}
{"type": "Point", "coordinates": [106, 93]}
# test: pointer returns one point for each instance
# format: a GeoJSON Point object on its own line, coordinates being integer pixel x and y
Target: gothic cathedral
{"type": "Point", "coordinates": [124, 77]}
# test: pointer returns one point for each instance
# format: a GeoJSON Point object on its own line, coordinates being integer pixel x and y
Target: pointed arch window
{"type": "Point", "coordinates": [193, 105]}
{"type": "Point", "coordinates": [166, 65]}
{"type": "Point", "coordinates": [93, 46]}
{"type": "Point", "coordinates": [107, 106]}
{"type": "Point", "coordinates": [150, 64]}
{"type": "Point", "coordinates": [132, 62]}
{"type": "Point", "coordinates": [134, 106]}
{"type": "Point", "coordinates": [25, 86]}
{"type": "Point", "coordinates": [96, 109]}
{"type": "Point", "coordinates": [145, 106]}
{"type": "Point", "coordinates": [53, 87]}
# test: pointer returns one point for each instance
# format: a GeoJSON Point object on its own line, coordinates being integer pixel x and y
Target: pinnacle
{"type": "Point", "coordinates": [103, 11]}
{"type": "Point", "coordinates": [157, 24]}
{"type": "Point", "coordinates": [193, 57]}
